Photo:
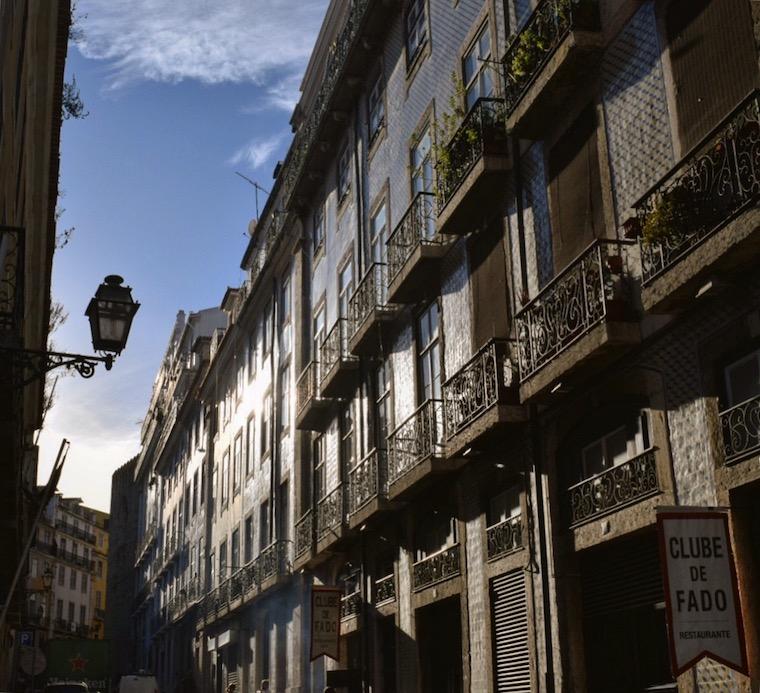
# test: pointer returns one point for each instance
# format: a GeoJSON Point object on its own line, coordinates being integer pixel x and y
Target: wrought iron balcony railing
{"type": "Point", "coordinates": [307, 386]}
{"type": "Point", "coordinates": [535, 43]}
{"type": "Point", "coordinates": [350, 605]}
{"type": "Point", "coordinates": [148, 537]}
{"type": "Point", "coordinates": [272, 561]}
{"type": "Point", "coordinates": [484, 381]}
{"type": "Point", "coordinates": [304, 531]}
{"type": "Point", "coordinates": [334, 348]}
{"type": "Point", "coordinates": [504, 537]}
{"type": "Point", "coordinates": [11, 278]}
{"type": "Point", "coordinates": [78, 532]}
{"type": "Point", "coordinates": [713, 183]}
{"type": "Point", "coordinates": [331, 512]}
{"type": "Point", "coordinates": [416, 227]}
{"type": "Point", "coordinates": [741, 430]}
{"type": "Point", "coordinates": [416, 439]}
{"type": "Point", "coordinates": [307, 132]}
{"type": "Point", "coordinates": [593, 288]}
{"type": "Point", "coordinates": [482, 133]}
{"type": "Point", "coordinates": [614, 488]}
{"type": "Point", "coordinates": [371, 295]}
{"type": "Point", "coordinates": [368, 480]}
{"type": "Point", "coordinates": [442, 565]}
{"type": "Point", "coordinates": [385, 589]}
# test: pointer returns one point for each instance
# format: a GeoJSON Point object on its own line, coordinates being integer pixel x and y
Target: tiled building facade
{"type": "Point", "coordinates": [502, 304]}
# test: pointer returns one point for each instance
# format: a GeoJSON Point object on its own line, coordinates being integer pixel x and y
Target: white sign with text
{"type": "Point", "coordinates": [704, 614]}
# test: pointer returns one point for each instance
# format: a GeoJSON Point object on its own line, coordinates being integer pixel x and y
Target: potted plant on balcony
{"type": "Point", "coordinates": [670, 218]}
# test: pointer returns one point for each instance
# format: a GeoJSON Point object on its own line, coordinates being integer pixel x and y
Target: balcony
{"type": "Point", "coordinates": [558, 45]}
{"type": "Point", "coordinates": [367, 488]}
{"type": "Point", "coordinates": [416, 450]}
{"type": "Point", "coordinates": [147, 540]}
{"type": "Point", "coordinates": [701, 218]}
{"type": "Point", "coordinates": [304, 544]}
{"type": "Point", "coordinates": [271, 564]}
{"type": "Point", "coordinates": [312, 410]}
{"type": "Point", "coordinates": [339, 368]}
{"type": "Point", "coordinates": [442, 565]}
{"type": "Point", "coordinates": [504, 537]}
{"type": "Point", "coordinates": [473, 168]}
{"type": "Point", "coordinates": [741, 430]}
{"type": "Point", "coordinates": [70, 529]}
{"type": "Point", "coordinates": [385, 590]}
{"type": "Point", "coordinates": [583, 317]}
{"type": "Point", "coordinates": [350, 605]}
{"type": "Point", "coordinates": [482, 397]}
{"type": "Point", "coordinates": [331, 518]}
{"type": "Point", "coordinates": [614, 488]}
{"type": "Point", "coordinates": [368, 310]}
{"type": "Point", "coordinates": [414, 253]}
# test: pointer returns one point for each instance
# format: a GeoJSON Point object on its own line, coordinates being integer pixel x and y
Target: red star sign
{"type": "Point", "coordinates": [78, 663]}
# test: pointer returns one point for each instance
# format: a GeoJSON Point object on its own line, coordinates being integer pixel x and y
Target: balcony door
{"type": "Point", "coordinates": [428, 354]}
{"type": "Point", "coordinates": [422, 181]}
{"type": "Point", "coordinates": [743, 379]}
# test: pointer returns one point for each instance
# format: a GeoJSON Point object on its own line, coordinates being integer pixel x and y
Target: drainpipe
{"type": "Point", "coordinates": [275, 414]}
{"type": "Point", "coordinates": [543, 549]}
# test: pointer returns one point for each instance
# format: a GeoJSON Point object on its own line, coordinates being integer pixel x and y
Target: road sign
{"type": "Point", "coordinates": [26, 638]}
{"type": "Point", "coordinates": [325, 622]}
{"type": "Point", "coordinates": [701, 592]}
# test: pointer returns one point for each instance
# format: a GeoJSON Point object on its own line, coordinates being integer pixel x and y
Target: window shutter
{"type": "Point", "coordinates": [510, 633]}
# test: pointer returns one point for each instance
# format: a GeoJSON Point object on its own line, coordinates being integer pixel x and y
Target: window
{"type": "Point", "coordinates": [318, 458]}
{"type": "Point", "coordinates": [344, 172]}
{"type": "Point", "coordinates": [72, 606]}
{"type": "Point", "coordinates": [235, 549]}
{"type": "Point", "coordinates": [285, 306]}
{"type": "Point", "coordinates": [248, 540]}
{"type": "Point", "coordinates": [84, 583]}
{"type": "Point", "coordinates": [59, 609]}
{"type": "Point", "coordinates": [378, 232]}
{"type": "Point", "coordinates": [318, 330]}
{"type": "Point", "coordinates": [477, 73]}
{"type": "Point", "coordinates": [82, 614]}
{"type": "Point", "coordinates": [225, 477]}
{"type": "Point", "coordinates": [345, 288]}
{"type": "Point", "coordinates": [98, 599]}
{"type": "Point", "coordinates": [237, 456]}
{"type": "Point", "coordinates": [504, 506]}
{"type": "Point", "coordinates": [187, 506]}
{"type": "Point", "coordinates": [73, 580]}
{"type": "Point", "coordinates": [203, 484]}
{"type": "Point", "coordinates": [99, 568]}
{"type": "Point", "coordinates": [61, 575]}
{"type": "Point", "coordinates": [179, 516]}
{"type": "Point", "coordinates": [318, 227]}
{"type": "Point", "coordinates": [266, 330]}
{"type": "Point", "coordinates": [223, 560]}
{"type": "Point", "coordinates": [416, 30]}
{"type": "Point", "coordinates": [382, 395]}
{"type": "Point", "coordinates": [283, 514]}
{"type": "Point", "coordinates": [422, 181]}
{"type": "Point", "coordinates": [376, 107]}
{"type": "Point", "coordinates": [347, 443]}
{"type": "Point", "coordinates": [266, 432]}
{"type": "Point", "coordinates": [252, 339]}
{"type": "Point", "coordinates": [428, 354]}
{"type": "Point", "coordinates": [33, 567]}
{"type": "Point", "coordinates": [743, 379]}
{"type": "Point", "coordinates": [285, 401]}
{"type": "Point", "coordinates": [212, 568]}
{"type": "Point", "coordinates": [263, 526]}
{"type": "Point", "coordinates": [250, 448]}
{"type": "Point", "coordinates": [435, 530]}
{"type": "Point", "coordinates": [195, 493]}
{"type": "Point", "coordinates": [615, 447]}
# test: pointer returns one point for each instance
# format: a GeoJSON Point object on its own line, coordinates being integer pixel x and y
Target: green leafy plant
{"type": "Point", "coordinates": [526, 54]}
{"type": "Point", "coordinates": [669, 219]}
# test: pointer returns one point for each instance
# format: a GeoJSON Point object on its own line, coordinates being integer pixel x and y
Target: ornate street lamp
{"type": "Point", "coordinates": [110, 314]}
{"type": "Point", "coordinates": [47, 579]}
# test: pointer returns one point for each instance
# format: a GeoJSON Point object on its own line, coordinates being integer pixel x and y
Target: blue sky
{"type": "Point", "coordinates": [180, 96]}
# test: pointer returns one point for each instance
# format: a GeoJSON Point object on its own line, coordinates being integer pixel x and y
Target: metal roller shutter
{"type": "Point", "coordinates": [510, 633]}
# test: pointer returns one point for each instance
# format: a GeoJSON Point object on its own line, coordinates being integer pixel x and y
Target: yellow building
{"type": "Point", "coordinates": [99, 575]}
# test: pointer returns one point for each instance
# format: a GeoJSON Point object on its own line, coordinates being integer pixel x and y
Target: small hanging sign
{"type": "Point", "coordinates": [325, 622]}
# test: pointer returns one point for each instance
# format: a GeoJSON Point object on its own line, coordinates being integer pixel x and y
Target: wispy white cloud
{"type": "Point", "coordinates": [258, 151]}
{"type": "Point", "coordinates": [255, 41]}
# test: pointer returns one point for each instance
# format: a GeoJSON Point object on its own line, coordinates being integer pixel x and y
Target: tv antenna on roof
{"type": "Point", "coordinates": [257, 187]}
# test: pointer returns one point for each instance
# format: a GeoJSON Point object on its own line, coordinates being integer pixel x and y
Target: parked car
{"type": "Point", "coordinates": [141, 682]}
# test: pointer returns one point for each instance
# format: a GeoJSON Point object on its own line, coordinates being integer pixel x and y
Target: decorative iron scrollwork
{"type": "Point", "coordinates": [741, 430]}
{"type": "Point", "coordinates": [505, 537]}
{"type": "Point", "coordinates": [436, 568]}
{"type": "Point", "coordinates": [416, 227]}
{"type": "Point", "coordinates": [416, 439]}
{"type": "Point", "coordinates": [367, 480]}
